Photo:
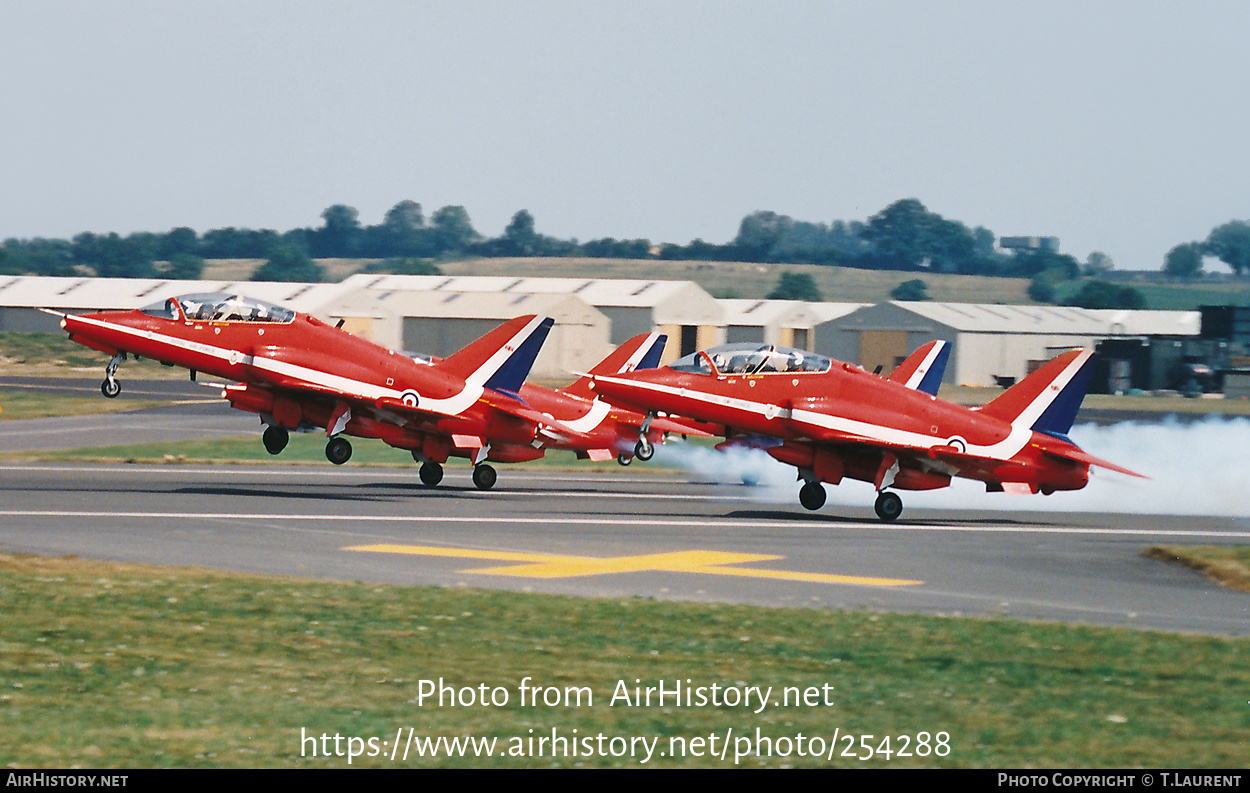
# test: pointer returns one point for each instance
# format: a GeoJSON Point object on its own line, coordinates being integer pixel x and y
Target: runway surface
{"type": "Point", "coordinates": [615, 535]}
{"type": "Point", "coordinates": [627, 532]}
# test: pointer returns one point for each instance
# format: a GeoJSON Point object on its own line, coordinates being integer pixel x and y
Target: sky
{"type": "Point", "coordinates": [1116, 126]}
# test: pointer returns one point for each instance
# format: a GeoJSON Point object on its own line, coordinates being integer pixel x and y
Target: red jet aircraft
{"type": "Point", "coordinates": [298, 372]}
{"type": "Point", "coordinates": [834, 420]}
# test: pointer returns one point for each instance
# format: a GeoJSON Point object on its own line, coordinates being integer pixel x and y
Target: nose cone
{"type": "Point", "coordinates": [103, 330]}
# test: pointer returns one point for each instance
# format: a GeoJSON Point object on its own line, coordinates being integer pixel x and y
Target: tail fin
{"type": "Point", "coordinates": [641, 352]}
{"type": "Point", "coordinates": [923, 369]}
{"type": "Point", "coordinates": [1047, 400]}
{"type": "Point", "coordinates": [501, 360]}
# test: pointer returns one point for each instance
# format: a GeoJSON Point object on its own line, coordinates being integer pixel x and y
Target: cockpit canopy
{"type": "Point", "coordinates": [752, 359]}
{"type": "Point", "coordinates": [221, 307]}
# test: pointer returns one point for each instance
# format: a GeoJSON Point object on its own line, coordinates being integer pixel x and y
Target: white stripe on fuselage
{"type": "Point", "coordinates": [450, 406]}
{"type": "Point", "coordinates": [587, 423]}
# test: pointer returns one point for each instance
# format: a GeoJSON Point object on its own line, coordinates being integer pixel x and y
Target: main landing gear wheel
{"type": "Point", "coordinates": [275, 439]}
{"type": "Point", "coordinates": [338, 451]}
{"type": "Point", "coordinates": [431, 474]}
{"type": "Point", "coordinates": [110, 388]}
{"type": "Point", "coordinates": [484, 476]}
{"type": "Point", "coordinates": [889, 506]}
{"type": "Point", "coordinates": [812, 495]}
{"type": "Point", "coordinates": [624, 459]}
{"type": "Point", "coordinates": [643, 449]}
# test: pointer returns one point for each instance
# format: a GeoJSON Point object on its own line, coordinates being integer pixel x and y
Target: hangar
{"type": "Point", "coordinates": [690, 316]}
{"type": "Point", "coordinates": [991, 340]}
{"type": "Point", "coordinates": [21, 296]}
{"type": "Point", "coordinates": [787, 323]}
{"type": "Point", "coordinates": [441, 322]}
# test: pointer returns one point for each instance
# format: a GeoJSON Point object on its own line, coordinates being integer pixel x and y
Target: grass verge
{"type": "Point", "coordinates": [119, 665]}
{"type": "Point", "coordinates": [16, 404]}
{"type": "Point", "coordinates": [303, 449]}
{"type": "Point", "coordinates": [1227, 565]}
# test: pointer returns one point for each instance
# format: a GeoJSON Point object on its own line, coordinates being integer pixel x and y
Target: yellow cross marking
{"type": "Point", "coordinates": [543, 565]}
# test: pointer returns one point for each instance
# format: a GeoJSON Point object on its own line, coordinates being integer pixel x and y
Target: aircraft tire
{"type": "Point", "coordinates": [431, 474]}
{"type": "Point", "coordinates": [484, 477]}
{"type": "Point", "coordinates": [338, 451]}
{"type": "Point", "coordinates": [624, 459]}
{"type": "Point", "coordinates": [110, 388]}
{"type": "Point", "coordinates": [275, 439]}
{"type": "Point", "coordinates": [812, 495]}
{"type": "Point", "coordinates": [644, 450]}
{"type": "Point", "coordinates": [889, 506]}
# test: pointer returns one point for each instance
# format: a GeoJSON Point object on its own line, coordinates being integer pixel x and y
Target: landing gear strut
{"type": "Point", "coordinates": [110, 387]}
{"type": "Point", "coordinates": [275, 439]}
{"type": "Point", "coordinates": [338, 451]}
{"type": "Point", "coordinates": [643, 449]}
{"type": "Point", "coordinates": [889, 506]}
{"type": "Point", "coordinates": [484, 476]}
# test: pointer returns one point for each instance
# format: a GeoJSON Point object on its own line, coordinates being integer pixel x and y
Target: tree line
{"type": "Point", "coordinates": [904, 236]}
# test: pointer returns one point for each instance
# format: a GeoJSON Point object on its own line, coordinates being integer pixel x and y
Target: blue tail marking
{"type": "Point", "coordinates": [1058, 417]}
{"type": "Point", "coordinates": [932, 380]}
{"type": "Point", "coordinates": [509, 377]}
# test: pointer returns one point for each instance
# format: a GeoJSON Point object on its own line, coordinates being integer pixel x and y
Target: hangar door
{"type": "Point", "coordinates": [884, 348]}
{"type": "Point", "coordinates": [740, 334]}
{"type": "Point", "coordinates": [442, 336]}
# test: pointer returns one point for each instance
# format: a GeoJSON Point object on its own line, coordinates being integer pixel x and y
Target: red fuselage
{"type": "Point", "coordinates": [302, 372]}
{"type": "Point", "coordinates": [846, 422]}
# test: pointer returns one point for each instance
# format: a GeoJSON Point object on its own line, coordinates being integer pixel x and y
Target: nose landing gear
{"type": "Point", "coordinates": [110, 387]}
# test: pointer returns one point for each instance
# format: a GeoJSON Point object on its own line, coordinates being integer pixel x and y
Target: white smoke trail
{"type": "Point", "coordinates": [1196, 468]}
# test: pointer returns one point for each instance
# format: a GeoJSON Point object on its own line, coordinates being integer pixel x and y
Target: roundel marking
{"type": "Point", "coordinates": [409, 398]}
{"type": "Point", "coordinates": [959, 443]}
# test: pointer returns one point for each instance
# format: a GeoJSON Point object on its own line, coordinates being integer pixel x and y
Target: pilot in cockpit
{"type": "Point", "coordinates": [232, 309]}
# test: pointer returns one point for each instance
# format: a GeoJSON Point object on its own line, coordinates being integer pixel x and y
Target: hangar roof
{"type": "Point", "coordinates": [762, 313]}
{"type": "Point", "coordinates": [826, 312]}
{"type": "Point", "coordinates": [594, 291]}
{"type": "Point", "coordinates": [996, 318]}
{"type": "Point", "coordinates": [488, 305]}
{"type": "Point", "coordinates": [35, 291]}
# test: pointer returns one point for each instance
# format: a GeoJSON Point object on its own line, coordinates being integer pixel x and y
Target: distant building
{"type": "Point", "coordinates": [994, 341]}
{"type": "Point", "coordinates": [786, 323]}
{"type": "Point", "coordinates": [691, 317]}
{"type": "Point", "coordinates": [1048, 244]}
{"type": "Point", "coordinates": [21, 296]}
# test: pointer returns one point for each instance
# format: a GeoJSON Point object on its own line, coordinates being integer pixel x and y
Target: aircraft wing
{"type": "Point", "coordinates": [1081, 456]}
{"type": "Point", "coordinates": [680, 426]}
